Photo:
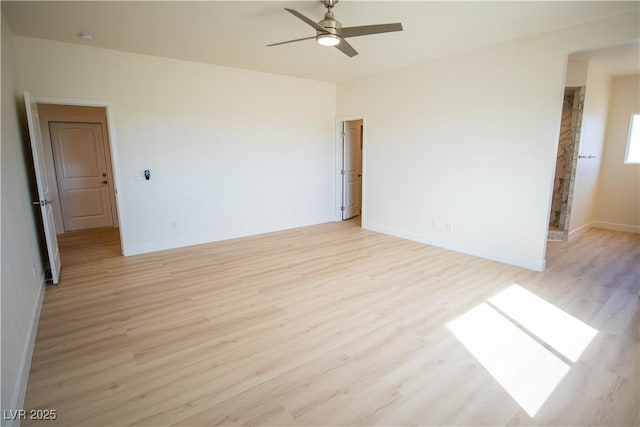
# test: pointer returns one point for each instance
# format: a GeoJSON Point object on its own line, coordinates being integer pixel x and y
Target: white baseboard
{"type": "Point", "coordinates": [529, 263]}
{"type": "Point", "coordinates": [17, 402]}
{"type": "Point", "coordinates": [616, 227]}
{"type": "Point", "coordinates": [581, 229]}
{"type": "Point", "coordinates": [144, 248]}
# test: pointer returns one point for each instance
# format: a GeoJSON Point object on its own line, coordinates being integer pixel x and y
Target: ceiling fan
{"type": "Point", "coordinates": [329, 32]}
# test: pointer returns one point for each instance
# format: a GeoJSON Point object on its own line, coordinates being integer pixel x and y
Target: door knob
{"type": "Point", "coordinates": [104, 174]}
{"type": "Point", "coordinates": [42, 202]}
{"type": "Point", "coordinates": [104, 182]}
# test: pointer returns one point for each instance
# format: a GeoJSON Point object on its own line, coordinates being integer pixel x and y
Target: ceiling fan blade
{"type": "Point", "coordinates": [346, 48]}
{"type": "Point", "coordinates": [291, 41]}
{"type": "Point", "coordinates": [307, 20]}
{"type": "Point", "coordinates": [370, 29]}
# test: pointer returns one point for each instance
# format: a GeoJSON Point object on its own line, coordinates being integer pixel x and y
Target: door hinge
{"type": "Point", "coordinates": [342, 172]}
{"type": "Point", "coordinates": [342, 208]}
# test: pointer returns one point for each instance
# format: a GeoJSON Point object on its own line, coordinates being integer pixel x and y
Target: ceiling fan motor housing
{"type": "Point", "coordinates": [331, 25]}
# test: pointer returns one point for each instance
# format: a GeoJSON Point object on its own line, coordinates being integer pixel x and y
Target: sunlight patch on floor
{"type": "Point", "coordinates": [527, 370]}
{"type": "Point", "coordinates": [566, 334]}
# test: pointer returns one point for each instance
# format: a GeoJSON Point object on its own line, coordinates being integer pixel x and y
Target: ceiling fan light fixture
{"type": "Point", "coordinates": [328, 39]}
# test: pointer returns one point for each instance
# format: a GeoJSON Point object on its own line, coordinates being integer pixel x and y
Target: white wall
{"type": "Point", "coordinates": [472, 140]}
{"type": "Point", "coordinates": [576, 73]}
{"type": "Point", "coordinates": [22, 287]}
{"type": "Point", "coordinates": [231, 152]}
{"type": "Point", "coordinates": [594, 122]}
{"type": "Point", "coordinates": [618, 199]}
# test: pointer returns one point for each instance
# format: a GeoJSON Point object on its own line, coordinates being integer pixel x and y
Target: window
{"type": "Point", "coordinates": [633, 144]}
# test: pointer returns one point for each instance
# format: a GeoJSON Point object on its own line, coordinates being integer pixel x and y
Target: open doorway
{"type": "Point", "coordinates": [350, 162]}
{"type": "Point", "coordinates": [73, 153]}
{"type": "Point", "coordinates": [77, 153]}
{"type": "Point", "coordinates": [566, 163]}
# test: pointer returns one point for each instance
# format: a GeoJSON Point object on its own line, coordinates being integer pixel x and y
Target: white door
{"type": "Point", "coordinates": [44, 190]}
{"type": "Point", "coordinates": [352, 169]}
{"type": "Point", "coordinates": [80, 158]}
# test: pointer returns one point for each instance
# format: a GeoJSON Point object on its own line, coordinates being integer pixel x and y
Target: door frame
{"type": "Point", "coordinates": [113, 151]}
{"type": "Point", "coordinates": [338, 166]}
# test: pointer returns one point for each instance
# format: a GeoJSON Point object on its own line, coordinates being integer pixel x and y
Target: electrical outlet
{"type": "Point", "coordinates": [434, 223]}
{"type": "Point", "coordinates": [174, 225]}
{"type": "Point", "coordinates": [449, 226]}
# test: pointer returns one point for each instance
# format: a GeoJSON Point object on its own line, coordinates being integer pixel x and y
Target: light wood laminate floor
{"type": "Point", "coordinates": [329, 325]}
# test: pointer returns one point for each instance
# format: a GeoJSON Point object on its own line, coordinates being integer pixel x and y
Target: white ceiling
{"type": "Point", "coordinates": [619, 60]}
{"type": "Point", "coordinates": [234, 33]}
